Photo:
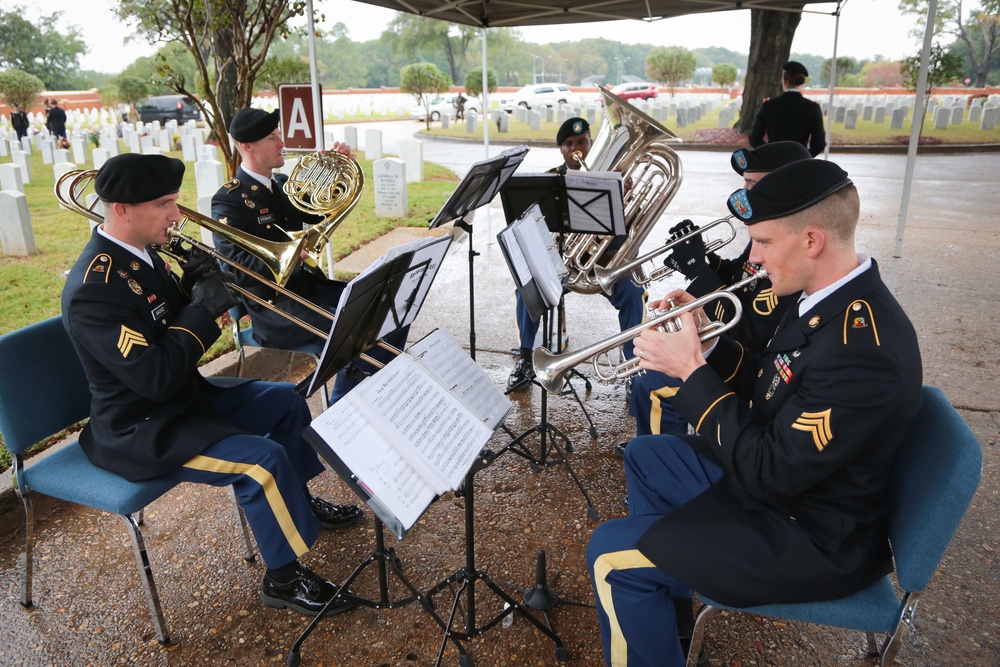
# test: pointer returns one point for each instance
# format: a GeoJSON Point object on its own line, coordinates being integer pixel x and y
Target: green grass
{"type": "Point", "coordinates": [867, 132]}
{"type": "Point", "coordinates": [32, 286]}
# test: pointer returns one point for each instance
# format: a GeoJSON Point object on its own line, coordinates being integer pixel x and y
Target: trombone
{"type": "Point", "coordinates": [279, 257]}
{"type": "Point", "coordinates": [607, 277]}
{"type": "Point", "coordinates": [551, 369]}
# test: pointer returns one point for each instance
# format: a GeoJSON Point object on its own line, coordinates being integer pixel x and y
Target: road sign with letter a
{"type": "Point", "coordinates": [298, 120]}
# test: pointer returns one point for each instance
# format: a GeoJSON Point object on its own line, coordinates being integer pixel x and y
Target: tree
{"type": "Point", "coordinates": [670, 64]}
{"type": "Point", "coordinates": [845, 66]}
{"type": "Point", "coordinates": [474, 81]}
{"type": "Point", "coordinates": [428, 39]}
{"type": "Point", "coordinates": [51, 55]}
{"type": "Point", "coordinates": [771, 35]}
{"type": "Point", "coordinates": [943, 67]}
{"type": "Point", "coordinates": [20, 88]}
{"type": "Point", "coordinates": [982, 22]}
{"type": "Point", "coordinates": [419, 79]}
{"type": "Point", "coordinates": [229, 41]}
{"type": "Point", "coordinates": [131, 91]}
{"type": "Point", "coordinates": [881, 73]}
{"type": "Point", "coordinates": [291, 69]}
{"type": "Point", "coordinates": [724, 74]}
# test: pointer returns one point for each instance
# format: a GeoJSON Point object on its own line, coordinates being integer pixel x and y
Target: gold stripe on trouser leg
{"type": "Point", "coordinates": [271, 492]}
{"type": "Point", "coordinates": [656, 408]}
{"type": "Point", "coordinates": [616, 560]}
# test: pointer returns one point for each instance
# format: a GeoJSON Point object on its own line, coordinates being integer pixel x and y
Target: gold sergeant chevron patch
{"type": "Point", "coordinates": [764, 302]}
{"type": "Point", "coordinates": [818, 425]}
{"type": "Point", "coordinates": [128, 339]}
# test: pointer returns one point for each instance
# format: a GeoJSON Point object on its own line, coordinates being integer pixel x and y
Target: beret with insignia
{"type": "Point", "coordinates": [795, 68]}
{"type": "Point", "coordinates": [132, 178]}
{"type": "Point", "coordinates": [251, 125]}
{"type": "Point", "coordinates": [572, 127]}
{"type": "Point", "coordinates": [768, 157]}
{"type": "Point", "coordinates": [787, 190]}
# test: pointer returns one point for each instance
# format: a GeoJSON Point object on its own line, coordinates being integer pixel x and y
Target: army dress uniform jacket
{"type": "Point", "coordinates": [790, 117]}
{"type": "Point", "coordinates": [245, 204]}
{"type": "Point", "coordinates": [139, 341]}
{"type": "Point", "coordinates": [799, 513]}
{"type": "Point", "coordinates": [762, 309]}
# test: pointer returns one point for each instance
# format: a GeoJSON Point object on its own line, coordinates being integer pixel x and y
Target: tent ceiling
{"type": "Point", "coordinates": [502, 13]}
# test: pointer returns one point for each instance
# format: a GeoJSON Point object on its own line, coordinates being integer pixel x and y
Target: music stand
{"type": "Point", "coordinates": [478, 188]}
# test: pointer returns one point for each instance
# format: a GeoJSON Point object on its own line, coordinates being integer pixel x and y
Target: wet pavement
{"type": "Point", "coordinates": [89, 611]}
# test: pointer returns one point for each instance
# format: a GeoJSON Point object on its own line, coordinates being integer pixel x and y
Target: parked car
{"type": "Point", "coordinates": [167, 107]}
{"type": "Point", "coordinates": [631, 91]}
{"type": "Point", "coordinates": [445, 103]}
{"type": "Point", "coordinates": [540, 95]}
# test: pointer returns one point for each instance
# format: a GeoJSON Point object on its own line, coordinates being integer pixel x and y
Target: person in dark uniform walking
{"type": "Point", "coordinates": [254, 201]}
{"type": "Point", "coordinates": [628, 298]}
{"type": "Point", "coordinates": [19, 121]}
{"type": "Point", "coordinates": [57, 122]}
{"type": "Point", "coordinates": [790, 116]}
{"type": "Point", "coordinates": [762, 309]}
{"type": "Point", "coordinates": [139, 331]}
{"type": "Point", "coordinates": [779, 497]}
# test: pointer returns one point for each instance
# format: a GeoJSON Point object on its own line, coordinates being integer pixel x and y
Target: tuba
{"type": "Point", "coordinates": [634, 144]}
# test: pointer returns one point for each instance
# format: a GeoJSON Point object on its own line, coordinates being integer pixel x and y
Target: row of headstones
{"type": "Point", "coordinates": [75, 118]}
{"type": "Point", "coordinates": [849, 111]}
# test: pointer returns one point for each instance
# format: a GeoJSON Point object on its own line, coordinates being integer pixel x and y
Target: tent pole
{"type": "Point", "coordinates": [911, 153]}
{"type": "Point", "coordinates": [317, 109]}
{"type": "Point", "coordinates": [486, 101]}
{"type": "Point", "coordinates": [833, 79]}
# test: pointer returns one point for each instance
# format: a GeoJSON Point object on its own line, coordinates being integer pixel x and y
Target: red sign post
{"type": "Point", "coordinates": [298, 119]}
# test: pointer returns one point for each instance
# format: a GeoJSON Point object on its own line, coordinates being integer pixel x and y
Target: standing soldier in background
{"type": "Point", "coordinates": [790, 116]}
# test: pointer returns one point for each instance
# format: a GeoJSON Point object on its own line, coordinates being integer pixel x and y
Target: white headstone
{"type": "Point", "coordinates": [207, 152]}
{"type": "Point", "coordinates": [205, 208]}
{"type": "Point", "coordinates": [328, 137]}
{"type": "Point", "coordinates": [975, 112]}
{"type": "Point", "coordinates": [95, 204]}
{"type": "Point", "coordinates": [957, 113]}
{"type": "Point", "coordinates": [26, 144]}
{"type": "Point", "coordinates": [941, 116]}
{"type": "Point", "coordinates": [851, 119]}
{"type": "Point", "coordinates": [390, 188]}
{"type": "Point", "coordinates": [411, 151]}
{"type": "Point", "coordinates": [16, 236]}
{"type": "Point", "coordinates": [4, 146]}
{"type": "Point", "coordinates": [591, 115]}
{"type": "Point", "coordinates": [471, 121]}
{"type": "Point", "coordinates": [351, 137]}
{"type": "Point", "coordinates": [550, 115]}
{"type": "Point", "coordinates": [880, 115]}
{"type": "Point", "coordinates": [133, 141]}
{"type": "Point", "coordinates": [79, 146]}
{"type": "Point", "coordinates": [990, 118]}
{"type": "Point", "coordinates": [165, 140]}
{"type": "Point", "coordinates": [60, 155]}
{"type": "Point", "coordinates": [534, 120]}
{"type": "Point", "coordinates": [373, 144]}
{"type": "Point", "coordinates": [20, 158]}
{"type": "Point", "coordinates": [208, 177]}
{"type": "Point", "coordinates": [445, 121]}
{"type": "Point", "coordinates": [48, 149]}
{"type": "Point", "coordinates": [187, 147]}
{"type": "Point", "coordinates": [147, 144]}
{"type": "Point", "coordinates": [866, 113]}
{"type": "Point", "coordinates": [898, 116]}
{"type": "Point", "coordinates": [100, 156]}
{"type": "Point", "coordinates": [10, 177]}
{"type": "Point", "coordinates": [504, 121]}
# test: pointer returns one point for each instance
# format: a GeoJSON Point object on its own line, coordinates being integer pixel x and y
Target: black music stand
{"type": "Point", "coordinates": [478, 188]}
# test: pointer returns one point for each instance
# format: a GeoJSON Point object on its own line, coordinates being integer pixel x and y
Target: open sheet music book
{"type": "Point", "coordinates": [534, 258]}
{"type": "Point", "coordinates": [411, 431]}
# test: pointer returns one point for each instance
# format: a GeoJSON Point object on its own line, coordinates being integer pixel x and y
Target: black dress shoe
{"type": "Point", "coordinates": [307, 593]}
{"type": "Point", "coordinates": [522, 374]}
{"type": "Point", "coordinates": [335, 516]}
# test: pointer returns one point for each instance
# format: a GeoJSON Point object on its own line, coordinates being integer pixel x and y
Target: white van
{"type": "Point", "coordinates": [541, 95]}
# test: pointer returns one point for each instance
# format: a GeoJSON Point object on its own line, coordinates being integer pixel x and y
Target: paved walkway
{"type": "Point", "coordinates": [88, 611]}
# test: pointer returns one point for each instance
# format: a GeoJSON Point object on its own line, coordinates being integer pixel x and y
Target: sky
{"type": "Point", "coordinates": [867, 28]}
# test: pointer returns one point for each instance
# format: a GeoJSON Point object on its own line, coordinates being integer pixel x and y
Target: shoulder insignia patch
{"type": "Point", "coordinates": [859, 324]}
{"type": "Point", "coordinates": [765, 302]}
{"type": "Point", "coordinates": [128, 339]}
{"type": "Point", "coordinates": [816, 424]}
{"type": "Point", "coordinates": [232, 185]}
{"type": "Point", "coordinates": [99, 269]}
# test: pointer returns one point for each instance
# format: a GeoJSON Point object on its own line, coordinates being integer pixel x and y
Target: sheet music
{"type": "Point", "coordinates": [541, 254]}
{"type": "Point", "coordinates": [521, 271]}
{"type": "Point", "coordinates": [351, 432]}
{"type": "Point", "coordinates": [443, 357]}
{"type": "Point", "coordinates": [417, 281]}
{"type": "Point", "coordinates": [433, 431]}
{"type": "Point", "coordinates": [595, 202]}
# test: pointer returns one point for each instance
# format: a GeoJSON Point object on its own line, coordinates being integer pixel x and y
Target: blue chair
{"type": "Point", "coordinates": [44, 390]}
{"type": "Point", "coordinates": [935, 474]}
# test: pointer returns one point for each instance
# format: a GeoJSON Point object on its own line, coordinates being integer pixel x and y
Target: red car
{"type": "Point", "coordinates": [629, 91]}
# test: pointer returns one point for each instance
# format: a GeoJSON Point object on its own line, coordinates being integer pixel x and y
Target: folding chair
{"type": "Point", "coordinates": [44, 390]}
{"type": "Point", "coordinates": [935, 474]}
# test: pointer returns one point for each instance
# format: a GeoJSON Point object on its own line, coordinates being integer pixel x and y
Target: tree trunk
{"type": "Point", "coordinates": [226, 91]}
{"type": "Point", "coordinates": [771, 35]}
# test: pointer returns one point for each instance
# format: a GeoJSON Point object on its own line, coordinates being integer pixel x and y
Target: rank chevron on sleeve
{"type": "Point", "coordinates": [816, 424]}
{"type": "Point", "coordinates": [128, 339]}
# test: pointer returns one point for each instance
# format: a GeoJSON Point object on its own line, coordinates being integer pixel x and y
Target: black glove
{"type": "Point", "coordinates": [212, 292]}
{"type": "Point", "coordinates": [195, 265]}
{"type": "Point", "coordinates": [688, 257]}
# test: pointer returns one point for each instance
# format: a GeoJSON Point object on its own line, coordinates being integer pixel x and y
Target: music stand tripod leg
{"type": "Point", "coordinates": [462, 224]}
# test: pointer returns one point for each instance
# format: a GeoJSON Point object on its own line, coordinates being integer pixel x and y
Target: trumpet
{"type": "Point", "coordinates": [551, 369]}
{"type": "Point", "coordinates": [607, 277]}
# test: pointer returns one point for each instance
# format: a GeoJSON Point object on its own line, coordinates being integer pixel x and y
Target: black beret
{"type": "Point", "coordinates": [795, 68]}
{"type": "Point", "coordinates": [131, 178]}
{"type": "Point", "coordinates": [251, 125]}
{"type": "Point", "coordinates": [787, 190]}
{"type": "Point", "coordinates": [570, 127]}
{"type": "Point", "coordinates": [768, 157]}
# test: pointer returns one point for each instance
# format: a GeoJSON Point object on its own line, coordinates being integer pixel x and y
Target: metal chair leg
{"type": "Point", "coordinates": [241, 518]}
{"type": "Point", "coordinates": [903, 625]}
{"type": "Point", "coordinates": [27, 555]}
{"type": "Point", "coordinates": [146, 575]}
{"type": "Point", "coordinates": [698, 634]}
